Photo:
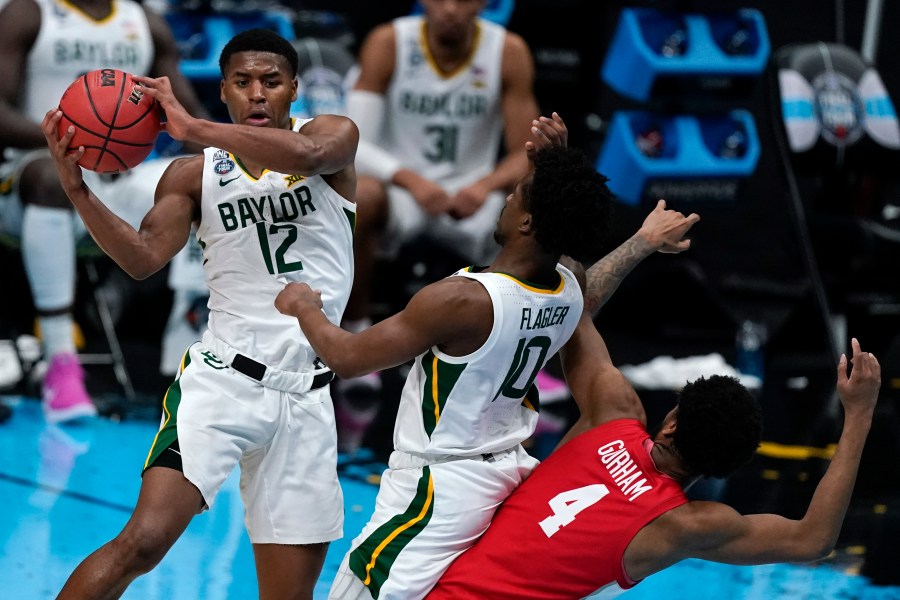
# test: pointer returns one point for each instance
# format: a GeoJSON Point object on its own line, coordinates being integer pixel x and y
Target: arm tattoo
{"type": "Point", "coordinates": [604, 277]}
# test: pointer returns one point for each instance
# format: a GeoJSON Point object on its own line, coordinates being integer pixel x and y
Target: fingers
{"type": "Point", "coordinates": [549, 131]}
{"type": "Point", "coordinates": [842, 370]}
{"type": "Point", "coordinates": [149, 82]}
{"type": "Point", "coordinates": [61, 147]}
{"type": "Point", "coordinates": [865, 364]}
{"type": "Point", "coordinates": [858, 359]}
{"type": "Point", "coordinates": [50, 125]}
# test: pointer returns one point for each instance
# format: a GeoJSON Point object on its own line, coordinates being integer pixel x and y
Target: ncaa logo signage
{"type": "Point", "coordinates": [839, 107]}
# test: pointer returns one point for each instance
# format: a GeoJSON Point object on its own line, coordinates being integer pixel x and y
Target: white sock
{"type": "Point", "coordinates": [56, 333]}
{"type": "Point", "coordinates": [48, 251]}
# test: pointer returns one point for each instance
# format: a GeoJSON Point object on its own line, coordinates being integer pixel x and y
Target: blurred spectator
{"type": "Point", "coordinates": [46, 45]}
{"type": "Point", "coordinates": [436, 95]}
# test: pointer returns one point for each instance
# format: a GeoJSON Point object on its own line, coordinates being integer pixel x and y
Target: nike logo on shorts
{"type": "Point", "coordinates": [224, 182]}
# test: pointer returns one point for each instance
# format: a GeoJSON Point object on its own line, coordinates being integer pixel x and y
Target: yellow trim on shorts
{"type": "Point", "coordinates": [165, 410]}
{"type": "Point", "coordinates": [428, 500]}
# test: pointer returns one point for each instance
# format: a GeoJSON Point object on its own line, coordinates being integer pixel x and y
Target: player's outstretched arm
{"type": "Point", "coordinates": [325, 146]}
{"type": "Point", "coordinates": [600, 390]}
{"type": "Point", "coordinates": [662, 231]}
{"type": "Point", "coordinates": [758, 539]}
{"type": "Point", "coordinates": [454, 314]}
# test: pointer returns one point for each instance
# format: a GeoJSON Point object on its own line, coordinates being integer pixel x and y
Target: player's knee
{"type": "Point", "coordinates": [39, 185]}
{"type": "Point", "coordinates": [142, 548]}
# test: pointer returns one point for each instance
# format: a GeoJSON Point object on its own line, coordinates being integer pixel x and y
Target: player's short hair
{"type": "Point", "coordinates": [718, 426]}
{"type": "Point", "coordinates": [259, 40]}
{"type": "Point", "coordinates": [570, 205]}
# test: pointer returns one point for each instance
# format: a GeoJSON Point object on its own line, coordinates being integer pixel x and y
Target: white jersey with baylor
{"type": "Point", "coordinates": [445, 126]}
{"type": "Point", "coordinates": [71, 43]}
{"type": "Point", "coordinates": [258, 235]}
{"type": "Point", "coordinates": [475, 404]}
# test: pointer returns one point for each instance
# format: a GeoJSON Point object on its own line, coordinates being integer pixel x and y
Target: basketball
{"type": "Point", "coordinates": [115, 121]}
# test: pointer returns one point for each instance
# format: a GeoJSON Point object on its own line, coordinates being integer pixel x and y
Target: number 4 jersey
{"type": "Point", "coordinates": [475, 404]}
{"type": "Point", "coordinates": [563, 533]}
{"type": "Point", "coordinates": [259, 234]}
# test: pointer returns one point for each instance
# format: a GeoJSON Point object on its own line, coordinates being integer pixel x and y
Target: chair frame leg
{"type": "Point", "coordinates": [115, 357]}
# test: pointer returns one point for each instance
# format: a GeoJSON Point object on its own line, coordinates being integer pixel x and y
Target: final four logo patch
{"type": "Point", "coordinates": [224, 167]}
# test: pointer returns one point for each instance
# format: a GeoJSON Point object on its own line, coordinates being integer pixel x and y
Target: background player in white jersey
{"type": "Point", "coordinates": [272, 201]}
{"type": "Point", "coordinates": [607, 508]}
{"type": "Point", "coordinates": [44, 46]}
{"type": "Point", "coordinates": [435, 97]}
{"type": "Point", "coordinates": [478, 339]}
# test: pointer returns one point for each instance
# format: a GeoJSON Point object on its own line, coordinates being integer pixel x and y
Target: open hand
{"type": "Point", "coordinates": [859, 389]}
{"type": "Point", "coordinates": [547, 132]}
{"type": "Point", "coordinates": [664, 229]}
{"type": "Point", "coordinates": [177, 117]}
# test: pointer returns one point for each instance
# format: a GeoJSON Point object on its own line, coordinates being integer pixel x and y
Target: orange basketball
{"type": "Point", "coordinates": [115, 121]}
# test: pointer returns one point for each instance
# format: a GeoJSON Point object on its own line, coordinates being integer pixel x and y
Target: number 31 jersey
{"type": "Point", "coordinates": [475, 404]}
{"type": "Point", "coordinates": [258, 235]}
{"type": "Point", "coordinates": [445, 126]}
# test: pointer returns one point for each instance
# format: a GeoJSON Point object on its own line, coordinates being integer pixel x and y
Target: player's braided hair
{"type": "Point", "coordinates": [259, 40]}
{"type": "Point", "coordinates": [570, 205]}
{"type": "Point", "coordinates": [718, 426]}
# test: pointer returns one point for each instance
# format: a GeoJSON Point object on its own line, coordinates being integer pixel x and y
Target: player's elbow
{"type": "Point", "coordinates": [138, 271]}
{"type": "Point", "coordinates": [814, 547]}
{"type": "Point", "coordinates": [822, 549]}
{"type": "Point", "coordinates": [314, 159]}
{"type": "Point", "coordinates": [346, 369]}
{"type": "Point", "coordinates": [339, 357]}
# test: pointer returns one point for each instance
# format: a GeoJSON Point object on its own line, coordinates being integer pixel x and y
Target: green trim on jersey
{"type": "Point", "coordinates": [246, 171]}
{"type": "Point", "coordinates": [534, 287]}
{"type": "Point", "coordinates": [440, 378]}
{"type": "Point", "coordinates": [351, 216]}
{"type": "Point", "coordinates": [371, 561]}
{"type": "Point", "coordinates": [168, 433]}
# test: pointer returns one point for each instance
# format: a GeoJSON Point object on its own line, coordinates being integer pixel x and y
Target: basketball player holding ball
{"type": "Point", "coordinates": [44, 46]}
{"type": "Point", "coordinates": [271, 198]}
{"type": "Point", "coordinates": [114, 120]}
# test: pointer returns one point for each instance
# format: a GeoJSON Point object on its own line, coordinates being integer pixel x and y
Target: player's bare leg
{"type": "Point", "coordinates": [166, 504]}
{"type": "Point", "coordinates": [288, 572]}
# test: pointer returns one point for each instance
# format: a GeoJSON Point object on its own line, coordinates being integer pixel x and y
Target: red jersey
{"type": "Point", "coordinates": [562, 534]}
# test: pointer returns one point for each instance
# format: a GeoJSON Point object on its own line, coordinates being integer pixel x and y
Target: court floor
{"type": "Point", "coordinates": [68, 489]}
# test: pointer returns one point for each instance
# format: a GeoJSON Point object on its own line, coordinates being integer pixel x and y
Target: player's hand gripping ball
{"type": "Point", "coordinates": [115, 121]}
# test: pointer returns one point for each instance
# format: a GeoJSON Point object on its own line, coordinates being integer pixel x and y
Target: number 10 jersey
{"type": "Point", "coordinates": [476, 404]}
